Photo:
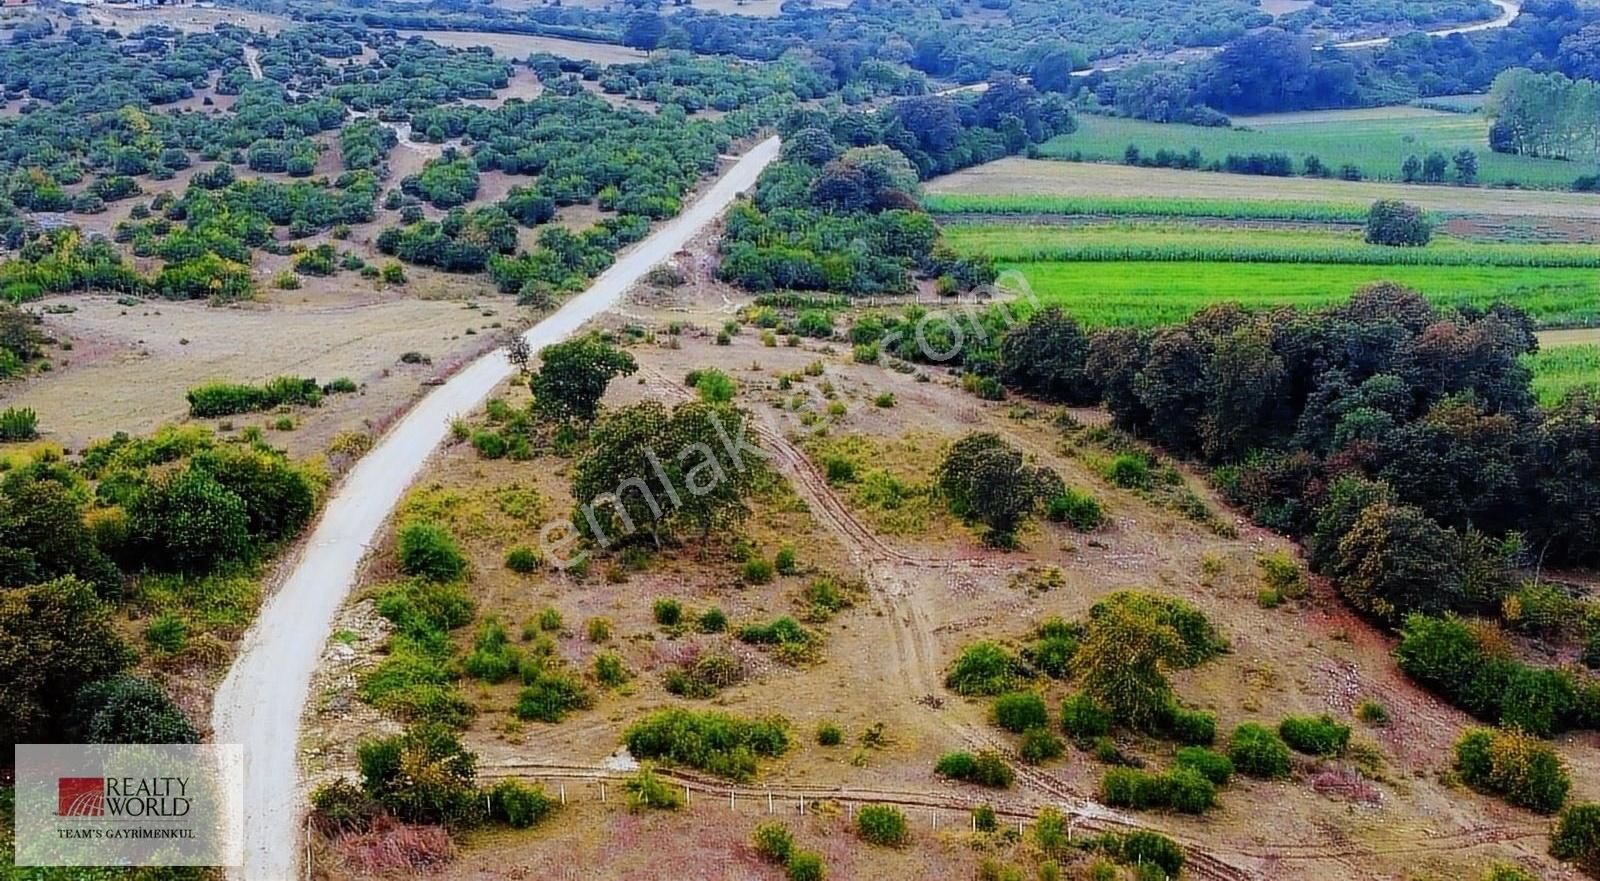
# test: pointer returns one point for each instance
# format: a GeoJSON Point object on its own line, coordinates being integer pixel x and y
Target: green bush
{"type": "Point", "coordinates": [523, 560]}
{"type": "Point", "coordinates": [1083, 719]}
{"type": "Point", "coordinates": [984, 669]}
{"type": "Point", "coordinates": [1577, 837]}
{"type": "Point", "coordinates": [829, 734]}
{"type": "Point", "coordinates": [785, 561]}
{"type": "Point", "coordinates": [1211, 765]}
{"type": "Point", "coordinates": [667, 613]}
{"type": "Point", "coordinates": [551, 695]}
{"type": "Point", "coordinates": [806, 865]}
{"type": "Point", "coordinates": [1020, 711]}
{"type": "Point", "coordinates": [1315, 735]}
{"type": "Point", "coordinates": [609, 670]}
{"type": "Point", "coordinates": [1515, 766]}
{"type": "Point", "coordinates": [1077, 509]}
{"type": "Point", "coordinates": [128, 709]}
{"type": "Point", "coordinates": [1506, 872]}
{"type": "Point", "coordinates": [1181, 789]}
{"type": "Point", "coordinates": [773, 842]}
{"type": "Point", "coordinates": [712, 620]}
{"type": "Point", "coordinates": [167, 633]}
{"type": "Point", "coordinates": [711, 741]}
{"type": "Point", "coordinates": [518, 805]}
{"type": "Point", "coordinates": [1258, 751]}
{"type": "Point", "coordinates": [493, 658]}
{"type": "Point", "coordinates": [1136, 848]}
{"type": "Point", "coordinates": [341, 806]}
{"type": "Point", "coordinates": [490, 444]}
{"type": "Point", "coordinates": [1190, 727]}
{"type": "Point", "coordinates": [17, 423]}
{"type": "Point", "coordinates": [1130, 471]}
{"type": "Point", "coordinates": [646, 791]}
{"type": "Point", "coordinates": [428, 551]}
{"type": "Point", "coordinates": [986, 768]}
{"type": "Point", "coordinates": [756, 571]}
{"type": "Point", "coordinates": [447, 794]}
{"type": "Point", "coordinates": [1039, 746]}
{"type": "Point", "coordinates": [882, 825]}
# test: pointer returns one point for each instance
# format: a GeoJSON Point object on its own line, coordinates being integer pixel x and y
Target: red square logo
{"type": "Point", "coordinates": [80, 796]}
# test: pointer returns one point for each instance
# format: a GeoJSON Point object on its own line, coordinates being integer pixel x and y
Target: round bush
{"type": "Point", "coordinates": [1314, 735]}
{"type": "Point", "coordinates": [427, 550]}
{"type": "Point", "coordinates": [1213, 766]}
{"type": "Point", "coordinates": [1577, 837]}
{"type": "Point", "coordinates": [1258, 751]}
{"type": "Point", "coordinates": [1020, 711]}
{"type": "Point", "coordinates": [1083, 718]}
{"type": "Point", "coordinates": [806, 866]}
{"type": "Point", "coordinates": [522, 559]}
{"type": "Point", "coordinates": [773, 842]}
{"type": "Point", "coordinates": [1040, 746]}
{"type": "Point", "coordinates": [882, 825]}
{"type": "Point", "coordinates": [983, 668]}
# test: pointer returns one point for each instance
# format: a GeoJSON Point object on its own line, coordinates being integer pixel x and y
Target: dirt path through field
{"type": "Point", "coordinates": [260, 702]}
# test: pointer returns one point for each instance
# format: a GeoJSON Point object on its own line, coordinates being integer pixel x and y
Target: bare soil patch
{"type": "Point", "coordinates": [520, 46]}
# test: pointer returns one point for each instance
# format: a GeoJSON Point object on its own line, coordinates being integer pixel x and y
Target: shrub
{"type": "Point", "coordinates": [493, 659]}
{"type": "Point", "coordinates": [490, 444]}
{"type": "Point", "coordinates": [18, 423]}
{"type": "Point", "coordinates": [756, 571]}
{"type": "Point", "coordinates": [1282, 574]}
{"type": "Point", "coordinates": [167, 633]}
{"type": "Point", "coordinates": [1208, 764]}
{"type": "Point", "coordinates": [1371, 712]}
{"type": "Point", "coordinates": [1077, 509]}
{"type": "Point", "coordinates": [1190, 727]}
{"type": "Point", "coordinates": [1314, 735]}
{"type": "Point", "coordinates": [1515, 766]}
{"type": "Point", "coordinates": [986, 768]}
{"type": "Point", "coordinates": [711, 741]}
{"type": "Point", "coordinates": [773, 842]}
{"type": "Point", "coordinates": [784, 562]}
{"type": "Point", "coordinates": [806, 865]}
{"type": "Point", "coordinates": [647, 790]}
{"type": "Point", "coordinates": [667, 613]}
{"type": "Point", "coordinates": [551, 695]}
{"type": "Point", "coordinates": [829, 734]}
{"type": "Point", "coordinates": [609, 670]}
{"type": "Point", "coordinates": [1083, 719]}
{"type": "Point", "coordinates": [983, 669]}
{"type": "Point", "coordinates": [882, 825]}
{"type": "Point", "coordinates": [446, 794]}
{"type": "Point", "coordinates": [523, 559]}
{"type": "Point", "coordinates": [1039, 746]}
{"type": "Point", "coordinates": [597, 629]}
{"type": "Point", "coordinates": [518, 805]}
{"type": "Point", "coordinates": [128, 709]}
{"type": "Point", "coordinates": [427, 550]}
{"type": "Point", "coordinates": [1154, 848]}
{"type": "Point", "coordinates": [1130, 471]}
{"type": "Point", "coordinates": [1577, 837]}
{"type": "Point", "coordinates": [340, 806]}
{"type": "Point", "coordinates": [1020, 711]}
{"type": "Point", "coordinates": [712, 620]}
{"type": "Point", "coordinates": [1181, 789]}
{"type": "Point", "coordinates": [1258, 751]}
{"type": "Point", "coordinates": [1506, 872]}
{"type": "Point", "coordinates": [550, 619]}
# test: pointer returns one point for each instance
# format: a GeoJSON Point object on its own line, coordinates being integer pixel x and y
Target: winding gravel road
{"type": "Point", "coordinates": [260, 701]}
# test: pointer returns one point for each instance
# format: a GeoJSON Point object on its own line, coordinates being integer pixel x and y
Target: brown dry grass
{"type": "Point", "coordinates": [1048, 177]}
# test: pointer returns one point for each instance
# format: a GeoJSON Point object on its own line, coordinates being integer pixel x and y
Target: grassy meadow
{"type": "Point", "coordinates": [1559, 369]}
{"type": "Point", "coordinates": [1376, 141]}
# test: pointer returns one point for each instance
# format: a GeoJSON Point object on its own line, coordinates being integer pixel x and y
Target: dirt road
{"type": "Point", "coordinates": [1509, 10]}
{"type": "Point", "coordinates": [259, 703]}
{"type": "Point", "coordinates": [252, 59]}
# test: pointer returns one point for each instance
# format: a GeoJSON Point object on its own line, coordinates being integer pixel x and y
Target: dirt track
{"type": "Point", "coordinates": [260, 702]}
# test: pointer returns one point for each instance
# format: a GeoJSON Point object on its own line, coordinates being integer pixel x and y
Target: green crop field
{"type": "Point", "coordinates": [1561, 369]}
{"type": "Point", "coordinates": [1377, 143]}
{"type": "Point", "coordinates": [1152, 206]}
{"type": "Point", "coordinates": [1186, 242]}
{"type": "Point", "coordinates": [1146, 294]}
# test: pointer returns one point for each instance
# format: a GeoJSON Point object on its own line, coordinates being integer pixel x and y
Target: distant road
{"type": "Point", "coordinates": [1509, 10]}
{"type": "Point", "coordinates": [260, 702]}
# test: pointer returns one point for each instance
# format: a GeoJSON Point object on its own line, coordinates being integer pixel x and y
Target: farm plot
{"type": "Point", "coordinates": [1153, 273]}
{"type": "Point", "coordinates": [1034, 178]}
{"type": "Point", "coordinates": [1560, 369]}
{"type": "Point", "coordinates": [1376, 143]}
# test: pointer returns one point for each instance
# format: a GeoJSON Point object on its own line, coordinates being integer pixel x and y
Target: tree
{"type": "Point", "coordinates": [644, 30]}
{"type": "Point", "coordinates": [1122, 660]}
{"type": "Point", "coordinates": [129, 709]}
{"type": "Point", "coordinates": [45, 537]}
{"type": "Point", "coordinates": [1577, 835]}
{"type": "Point", "coordinates": [1434, 167]}
{"type": "Point", "coordinates": [1397, 224]}
{"type": "Point", "coordinates": [1466, 163]}
{"type": "Point", "coordinates": [573, 376]}
{"type": "Point", "coordinates": [866, 179]}
{"type": "Point", "coordinates": [1045, 356]}
{"type": "Point", "coordinates": [422, 776]}
{"type": "Point", "coordinates": [653, 471]}
{"type": "Point", "coordinates": [813, 146]}
{"type": "Point", "coordinates": [1244, 382]}
{"type": "Point", "coordinates": [1411, 169]}
{"type": "Point", "coordinates": [55, 638]}
{"type": "Point", "coordinates": [1396, 560]}
{"type": "Point", "coordinates": [985, 480]}
{"type": "Point", "coordinates": [188, 522]}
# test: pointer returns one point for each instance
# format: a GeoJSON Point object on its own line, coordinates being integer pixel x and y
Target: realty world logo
{"type": "Point", "coordinates": [140, 797]}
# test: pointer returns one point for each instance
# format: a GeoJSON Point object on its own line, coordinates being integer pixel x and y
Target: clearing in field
{"type": "Point", "coordinates": [1374, 141]}
{"type": "Point", "coordinates": [520, 46]}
